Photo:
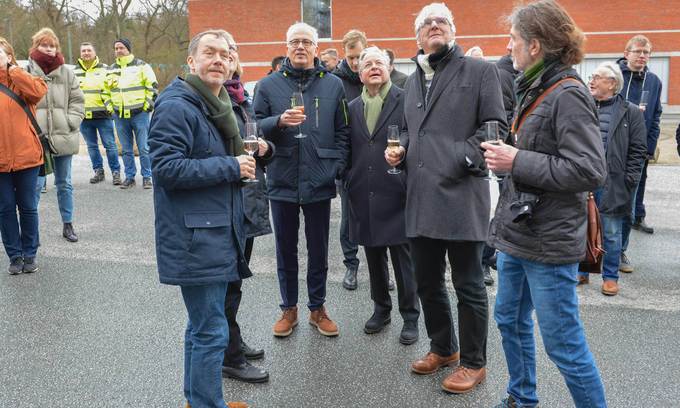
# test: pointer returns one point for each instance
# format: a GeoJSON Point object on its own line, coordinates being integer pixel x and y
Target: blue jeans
{"type": "Point", "coordinates": [17, 191]}
{"type": "Point", "coordinates": [206, 337]}
{"type": "Point", "coordinates": [612, 237]}
{"type": "Point", "coordinates": [89, 128]}
{"type": "Point", "coordinates": [139, 124]}
{"type": "Point", "coordinates": [524, 286]}
{"type": "Point", "coordinates": [62, 179]}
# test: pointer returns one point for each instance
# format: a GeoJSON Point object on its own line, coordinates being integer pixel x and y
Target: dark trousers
{"type": "Point", "coordinates": [376, 258]}
{"type": "Point", "coordinates": [429, 260]}
{"type": "Point", "coordinates": [349, 248]}
{"type": "Point", "coordinates": [286, 219]}
{"type": "Point", "coordinates": [233, 355]}
{"type": "Point", "coordinates": [640, 197]}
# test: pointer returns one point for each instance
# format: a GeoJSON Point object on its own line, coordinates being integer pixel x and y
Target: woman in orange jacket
{"type": "Point", "coordinates": [21, 156]}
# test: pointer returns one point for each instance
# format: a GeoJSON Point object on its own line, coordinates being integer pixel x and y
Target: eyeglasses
{"type": "Point", "coordinates": [439, 20]}
{"type": "Point", "coordinates": [233, 47]}
{"type": "Point", "coordinates": [638, 52]}
{"type": "Point", "coordinates": [296, 43]}
{"type": "Point", "coordinates": [371, 64]}
{"type": "Point", "coordinates": [596, 77]}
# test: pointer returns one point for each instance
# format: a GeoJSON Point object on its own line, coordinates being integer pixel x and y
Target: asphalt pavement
{"type": "Point", "coordinates": [94, 328]}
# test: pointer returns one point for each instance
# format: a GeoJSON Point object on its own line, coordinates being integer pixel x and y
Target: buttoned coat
{"type": "Point", "coordinates": [376, 198]}
{"type": "Point", "coordinates": [447, 196]}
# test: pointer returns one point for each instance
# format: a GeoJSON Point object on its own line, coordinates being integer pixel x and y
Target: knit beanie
{"type": "Point", "coordinates": [125, 42]}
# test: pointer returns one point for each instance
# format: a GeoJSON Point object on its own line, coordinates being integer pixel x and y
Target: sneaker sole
{"type": "Point", "coordinates": [31, 271]}
{"type": "Point", "coordinates": [452, 391]}
{"type": "Point", "coordinates": [14, 273]}
{"type": "Point", "coordinates": [626, 270]}
{"type": "Point", "coordinates": [285, 334]}
{"type": "Point", "coordinates": [228, 374]}
{"type": "Point", "coordinates": [606, 293]}
{"type": "Point", "coordinates": [325, 333]}
{"type": "Point", "coordinates": [449, 364]}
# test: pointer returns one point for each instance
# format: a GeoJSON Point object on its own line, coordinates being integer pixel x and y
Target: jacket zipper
{"type": "Point", "coordinates": [316, 105]}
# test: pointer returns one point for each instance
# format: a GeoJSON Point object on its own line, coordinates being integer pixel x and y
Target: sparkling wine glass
{"type": "Point", "coordinates": [393, 144]}
{"type": "Point", "coordinates": [251, 144]}
{"type": "Point", "coordinates": [492, 137]}
{"type": "Point", "coordinates": [298, 103]}
{"type": "Point", "coordinates": [644, 99]}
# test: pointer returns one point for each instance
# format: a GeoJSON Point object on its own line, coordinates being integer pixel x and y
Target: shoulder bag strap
{"type": "Point", "coordinates": [23, 105]}
{"type": "Point", "coordinates": [516, 124]}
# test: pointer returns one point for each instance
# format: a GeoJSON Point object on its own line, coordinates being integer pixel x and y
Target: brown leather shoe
{"type": "Point", "coordinates": [285, 325]}
{"type": "Point", "coordinates": [236, 404]}
{"type": "Point", "coordinates": [319, 319]}
{"type": "Point", "coordinates": [610, 288]}
{"type": "Point", "coordinates": [463, 379]}
{"type": "Point", "coordinates": [583, 280]}
{"type": "Point", "coordinates": [433, 362]}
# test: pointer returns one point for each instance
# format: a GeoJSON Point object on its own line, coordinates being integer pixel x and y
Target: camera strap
{"type": "Point", "coordinates": [517, 123]}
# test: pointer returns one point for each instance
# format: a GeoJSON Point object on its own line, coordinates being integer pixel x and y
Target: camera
{"type": "Point", "coordinates": [522, 208]}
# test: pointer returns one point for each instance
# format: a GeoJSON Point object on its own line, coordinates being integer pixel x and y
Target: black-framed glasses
{"type": "Point", "coordinates": [296, 43]}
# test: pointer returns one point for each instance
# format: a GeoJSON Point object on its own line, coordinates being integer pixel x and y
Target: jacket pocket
{"type": "Point", "coordinates": [327, 168]}
{"type": "Point", "coordinates": [282, 171]}
{"type": "Point", "coordinates": [211, 242]}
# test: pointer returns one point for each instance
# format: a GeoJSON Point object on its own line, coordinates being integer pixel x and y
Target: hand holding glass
{"type": "Point", "coordinates": [492, 137]}
{"type": "Point", "coordinates": [298, 103]}
{"type": "Point", "coordinates": [251, 144]}
{"type": "Point", "coordinates": [393, 144]}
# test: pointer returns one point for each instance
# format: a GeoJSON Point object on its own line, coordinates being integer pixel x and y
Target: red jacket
{"type": "Point", "coordinates": [20, 147]}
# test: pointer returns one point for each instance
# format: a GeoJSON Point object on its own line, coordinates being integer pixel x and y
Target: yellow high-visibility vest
{"type": "Point", "coordinates": [133, 86]}
{"type": "Point", "coordinates": [94, 86]}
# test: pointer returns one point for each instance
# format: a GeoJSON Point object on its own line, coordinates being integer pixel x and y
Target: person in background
{"type": "Point", "coordinates": [475, 52]}
{"type": "Point", "coordinates": [353, 43]}
{"type": "Point", "coordinates": [540, 225]}
{"type": "Point", "coordinates": [677, 138]}
{"type": "Point", "coordinates": [397, 77]}
{"type": "Point", "coordinates": [133, 92]}
{"type": "Point", "coordinates": [440, 148]}
{"type": "Point", "coordinates": [622, 127]}
{"type": "Point", "coordinates": [21, 157]}
{"type": "Point", "coordinates": [59, 115]}
{"type": "Point", "coordinates": [329, 58]}
{"type": "Point", "coordinates": [301, 175]}
{"type": "Point", "coordinates": [256, 223]}
{"type": "Point", "coordinates": [98, 108]}
{"type": "Point", "coordinates": [198, 161]}
{"type": "Point", "coordinates": [376, 198]}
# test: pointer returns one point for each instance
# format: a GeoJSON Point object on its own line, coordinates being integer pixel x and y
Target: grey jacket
{"type": "Point", "coordinates": [447, 196]}
{"type": "Point", "coordinates": [60, 112]}
{"type": "Point", "coordinates": [560, 158]}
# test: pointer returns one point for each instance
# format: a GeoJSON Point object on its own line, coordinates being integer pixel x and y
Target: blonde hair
{"type": "Point", "coordinates": [354, 37]}
{"type": "Point", "coordinates": [640, 40]}
{"type": "Point", "coordinates": [9, 50]}
{"type": "Point", "coordinates": [45, 35]}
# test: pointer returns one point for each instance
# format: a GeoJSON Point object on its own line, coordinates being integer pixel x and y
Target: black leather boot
{"type": "Point", "coordinates": [69, 233]}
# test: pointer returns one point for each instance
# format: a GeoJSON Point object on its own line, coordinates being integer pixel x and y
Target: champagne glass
{"type": "Point", "coordinates": [644, 99]}
{"type": "Point", "coordinates": [298, 103]}
{"type": "Point", "coordinates": [393, 144]}
{"type": "Point", "coordinates": [251, 144]}
{"type": "Point", "coordinates": [492, 137]}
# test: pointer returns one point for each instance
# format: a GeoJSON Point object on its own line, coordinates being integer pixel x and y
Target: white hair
{"type": "Point", "coordinates": [610, 69]}
{"type": "Point", "coordinates": [434, 9]}
{"type": "Point", "coordinates": [302, 27]}
{"type": "Point", "coordinates": [374, 53]}
{"type": "Point", "coordinates": [474, 49]}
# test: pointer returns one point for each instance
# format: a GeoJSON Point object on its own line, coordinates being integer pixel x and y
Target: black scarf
{"type": "Point", "coordinates": [221, 114]}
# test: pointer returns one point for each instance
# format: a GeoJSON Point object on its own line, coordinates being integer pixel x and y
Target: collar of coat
{"type": "Point", "coordinates": [126, 60]}
{"type": "Point", "coordinates": [94, 64]}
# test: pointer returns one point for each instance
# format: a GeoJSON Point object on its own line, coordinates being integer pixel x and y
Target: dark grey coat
{"type": "Point", "coordinates": [447, 197]}
{"type": "Point", "coordinates": [376, 198]}
{"type": "Point", "coordinates": [560, 154]}
{"type": "Point", "coordinates": [626, 152]}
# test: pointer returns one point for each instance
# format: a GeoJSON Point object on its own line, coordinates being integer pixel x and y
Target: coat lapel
{"type": "Point", "coordinates": [388, 107]}
{"type": "Point", "coordinates": [361, 119]}
{"type": "Point", "coordinates": [445, 77]}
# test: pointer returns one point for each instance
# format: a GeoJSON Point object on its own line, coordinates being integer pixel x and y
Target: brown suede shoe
{"type": "Point", "coordinates": [583, 280]}
{"type": "Point", "coordinates": [232, 404]}
{"type": "Point", "coordinates": [463, 379]}
{"type": "Point", "coordinates": [319, 319]}
{"type": "Point", "coordinates": [285, 325]}
{"type": "Point", "coordinates": [610, 288]}
{"type": "Point", "coordinates": [433, 362]}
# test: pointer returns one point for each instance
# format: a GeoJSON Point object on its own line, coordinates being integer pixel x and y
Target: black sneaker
{"type": "Point", "coordinates": [116, 178]}
{"type": "Point", "coordinates": [98, 176]}
{"type": "Point", "coordinates": [16, 266]}
{"type": "Point", "coordinates": [30, 266]}
{"type": "Point", "coordinates": [128, 183]}
{"type": "Point", "coordinates": [146, 183]}
{"type": "Point", "coordinates": [488, 279]}
{"type": "Point", "coordinates": [246, 372]}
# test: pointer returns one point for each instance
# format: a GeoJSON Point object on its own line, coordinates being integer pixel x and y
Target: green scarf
{"type": "Point", "coordinates": [221, 114]}
{"type": "Point", "coordinates": [373, 105]}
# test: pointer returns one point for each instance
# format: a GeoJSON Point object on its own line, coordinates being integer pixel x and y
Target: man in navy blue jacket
{"type": "Point", "coordinates": [197, 163]}
{"type": "Point", "coordinates": [302, 174]}
{"type": "Point", "coordinates": [638, 78]}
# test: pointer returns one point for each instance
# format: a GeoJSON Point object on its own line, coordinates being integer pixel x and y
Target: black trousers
{"type": "Point", "coordinates": [349, 248]}
{"type": "Point", "coordinates": [376, 258]}
{"type": "Point", "coordinates": [233, 355]}
{"type": "Point", "coordinates": [429, 259]}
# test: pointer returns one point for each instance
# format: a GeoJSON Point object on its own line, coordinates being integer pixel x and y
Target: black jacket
{"type": "Point", "coordinates": [304, 170]}
{"type": "Point", "coordinates": [560, 158]}
{"type": "Point", "coordinates": [376, 198]}
{"type": "Point", "coordinates": [398, 78]}
{"type": "Point", "coordinates": [626, 152]}
{"type": "Point", "coordinates": [350, 80]}
{"type": "Point", "coordinates": [507, 74]}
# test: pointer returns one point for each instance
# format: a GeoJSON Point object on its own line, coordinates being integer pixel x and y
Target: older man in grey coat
{"type": "Point", "coordinates": [448, 100]}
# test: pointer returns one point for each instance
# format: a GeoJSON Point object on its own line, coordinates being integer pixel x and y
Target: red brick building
{"type": "Point", "coordinates": [259, 27]}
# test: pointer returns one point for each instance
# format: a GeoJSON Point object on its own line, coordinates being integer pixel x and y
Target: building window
{"type": "Point", "coordinates": [317, 13]}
